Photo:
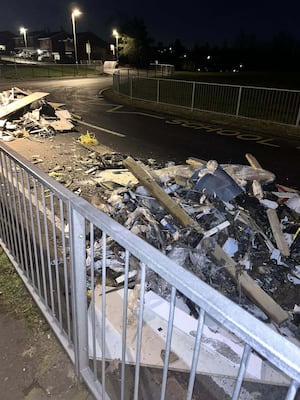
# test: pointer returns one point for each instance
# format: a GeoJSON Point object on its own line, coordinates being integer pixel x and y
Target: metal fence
{"type": "Point", "coordinates": [267, 104]}
{"type": "Point", "coordinates": [122, 339]}
{"type": "Point", "coordinates": [43, 70]}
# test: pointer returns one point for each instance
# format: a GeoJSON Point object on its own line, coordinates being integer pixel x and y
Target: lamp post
{"type": "Point", "coordinates": [75, 13]}
{"type": "Point", "coordinates": [23, 31]}
{"type": "Point", "coordinates": [116, 35]}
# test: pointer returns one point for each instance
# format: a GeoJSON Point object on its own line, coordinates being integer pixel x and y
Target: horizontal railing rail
{"type": "Point", "coordinates": [267, 104]}
{"type": "Point", "coordinates": [48, 70]}
{"type": "Point", "coordinates": [63, 248]}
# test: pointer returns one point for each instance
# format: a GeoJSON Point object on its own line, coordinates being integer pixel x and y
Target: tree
{"type": "Point", "coordinates": [135, 44]}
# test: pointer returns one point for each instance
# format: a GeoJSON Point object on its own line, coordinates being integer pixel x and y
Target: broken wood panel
{"type": "Point", "coordinates": [277, 232]}
{"type": "Point", "coordinates": [20, 103]}
{"type": "Point", "coordinates": [61, 124]}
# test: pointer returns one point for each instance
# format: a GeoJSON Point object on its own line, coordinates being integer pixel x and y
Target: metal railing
{"type": "Point", "coordinates": [51, 70]}
{"type": "Point", "coordinates": [261, 103]}
{"type": "Point", "coordinates": [122, 339]}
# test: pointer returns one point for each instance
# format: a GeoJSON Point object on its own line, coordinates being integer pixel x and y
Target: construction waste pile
{"type": "Point", "coordinates": [23, 113]}
{"type": "Point", "coordinates": [232, 226]}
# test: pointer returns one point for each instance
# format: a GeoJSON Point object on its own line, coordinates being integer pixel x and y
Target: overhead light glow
{"type": "Point", "coordinates": [76, 12]}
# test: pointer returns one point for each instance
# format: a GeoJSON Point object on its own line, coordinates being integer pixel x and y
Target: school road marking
{"type": "Point", "coordinates": [101, 129]}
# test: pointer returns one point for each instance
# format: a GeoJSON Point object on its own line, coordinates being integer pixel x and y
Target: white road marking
{"type": "Point", "coordinates": [116, 109]}
{"type": "Point", "coordinates": [102, 129]}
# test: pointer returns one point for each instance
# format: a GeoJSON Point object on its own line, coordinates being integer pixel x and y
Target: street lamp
{"type": "Point", "coordinates": [75, 13]}
{"type": "Point", "coordinates": [23, 31]}
{"type": "Point", "coordinates": [116, 35]}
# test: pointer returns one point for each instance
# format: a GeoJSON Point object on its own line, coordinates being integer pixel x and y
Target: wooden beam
{"type": "Point", "coordinates": [253, 161]}
{"type": "Point", "coordinates": [248, 285]}
{"type": "Point", "coordinates": [6, 110]}
{"type": "Point", "coordinates": [277, 232]}
{"type": "Point", "coordinates": [147, 180]}
{"type": "Point", "coordinates": [195, 162]}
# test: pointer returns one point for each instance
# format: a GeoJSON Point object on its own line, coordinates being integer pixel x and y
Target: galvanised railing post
{"type": "Point", "coordinates": [78, 290]}
{"type": "Point", "coordinates": [238, 102]}
{"type": "Point", "coordinates": [131, 86]}
{"type": "Point", "coordinates": [193, 96]}
{"type": "Point", "coordinates": [157, 91]}
{"type": "Point", "coordinates": [298, 118]}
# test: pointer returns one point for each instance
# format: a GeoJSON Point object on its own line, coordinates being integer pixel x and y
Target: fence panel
{"type": "Point", "coordinates": [267, 104]}
{"type": "Point", "coordinates": [217, 98]}
{"type": "Point", "coordinates": [178, 93]}
{"type": "Point", "coordinates": [270, 104]}
{"type": "Point", "coordinates": [29, 71]}
{"type": "Point", "coordinates": [143, 88]}
{"type": "Point", "coordinates": [121, 308]}
{"type": "Point", "coordinates": [33, 230]}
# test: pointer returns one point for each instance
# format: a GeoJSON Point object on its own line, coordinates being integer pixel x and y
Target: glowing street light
{"type": "Point", "coordinates": [75, 13]}
{"type": "Point", "coordinates": [23, 31]}
{"type": "Point", "coordinates": [116, 35]}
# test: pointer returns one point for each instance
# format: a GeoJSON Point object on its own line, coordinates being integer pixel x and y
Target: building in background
{"type": "Point", "coordinates": [6, 42]}
{"type": "Point", "coordinates": [45, 46]}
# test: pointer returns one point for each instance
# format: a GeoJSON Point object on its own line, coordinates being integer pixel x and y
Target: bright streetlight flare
{"type": "Point", "coordinates": [116, 35]}
{"type": "Point", "coordinates": [23, 31]}
{"type": "Point", "coordinates": [75, 13]}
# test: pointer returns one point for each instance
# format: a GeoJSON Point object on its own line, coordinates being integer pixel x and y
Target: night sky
{"type": "Point", "coordinates": [190, 21]}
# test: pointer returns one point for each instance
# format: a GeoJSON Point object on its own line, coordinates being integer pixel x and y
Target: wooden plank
{"type": "Point", "coordinates": [195, 162]}
{"type": "Point", "coordinates": [253, 161]}
{"type": "Point", "coordinates": [147, 180]}
{"type": "Point", "coordinates": [247, 284]}
{"type": "Point", "coordinates": [16, 105]}
{"type": "Point", "coordinates": [277, 232]}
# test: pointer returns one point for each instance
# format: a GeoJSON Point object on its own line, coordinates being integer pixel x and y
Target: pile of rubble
{"type": "Point", "coordinates": [215, 221]}
{"type": "Point", "coordinates": [23, 113]}
{"type": "Point", "coordinates": [232, 226]}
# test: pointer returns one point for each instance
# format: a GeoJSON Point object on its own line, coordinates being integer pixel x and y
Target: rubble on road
{"type": "Point", "coordinates": [23, 113]}
{"type": "Point", "coordinates": [232, 226]}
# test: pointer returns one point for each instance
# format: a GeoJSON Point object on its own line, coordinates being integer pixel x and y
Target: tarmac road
{"type": "Point", "coordinates": [165, 137]}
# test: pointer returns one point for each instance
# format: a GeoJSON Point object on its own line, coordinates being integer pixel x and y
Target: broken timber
{"type": "Point", "coordinates": [164, 199]}
{"type": "Point", "coordinates": [277, 232]}
{"type": "Point", "coordinates": [248, 285]}
{"type": "Point", "coordinates": [253, 161]}
{"type": "Point", "coordinates": [16, 105]}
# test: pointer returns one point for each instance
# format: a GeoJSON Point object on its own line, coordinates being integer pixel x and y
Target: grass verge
{"type": "Point", "coordinates": [14, 297]}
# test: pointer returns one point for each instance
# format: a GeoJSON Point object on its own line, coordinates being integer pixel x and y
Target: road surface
{"type": "Point", "coordinates": [148, 134]}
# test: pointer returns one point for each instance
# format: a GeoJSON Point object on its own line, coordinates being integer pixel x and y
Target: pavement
{"type": "Point", "coordinates": [34, 366]}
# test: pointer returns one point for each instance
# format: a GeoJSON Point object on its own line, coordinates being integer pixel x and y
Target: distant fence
{"type": "Point", "coordinates": [51, 70]}
{"type": "Point", "coordinates": [114, 334]}
{"type": "Point", "coordinates": [267, 104]}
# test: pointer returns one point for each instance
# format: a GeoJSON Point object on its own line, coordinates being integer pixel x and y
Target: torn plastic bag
{"type": "Point", "coordinates": [247, 173]}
